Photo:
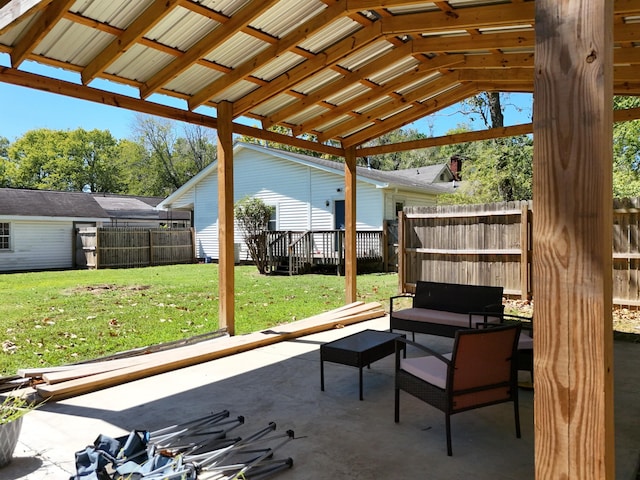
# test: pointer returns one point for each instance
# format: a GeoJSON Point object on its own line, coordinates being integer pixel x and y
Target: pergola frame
{"type": "Point", "coordinates": [387, 64]}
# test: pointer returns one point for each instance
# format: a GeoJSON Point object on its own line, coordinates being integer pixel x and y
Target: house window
{"type": "Point", "coordinates": [5, 236]}
{"type": "Point", "coordinates": [399, 207]}
{"type": "Point", "coordinates": [273, 221]}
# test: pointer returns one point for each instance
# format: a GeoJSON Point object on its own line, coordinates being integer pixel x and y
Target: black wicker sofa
{"type": "Point", "coordinates": [442, 308]}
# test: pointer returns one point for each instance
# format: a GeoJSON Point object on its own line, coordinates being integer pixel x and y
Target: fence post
{"type": "Point", "coordinates": [525, 247]}
{"type": "Point", "coordinates": [150, 246]}
{"type": "Point", "coordinates": [402, 273]}
{"type": "Point", "coordinates": [98, 230]}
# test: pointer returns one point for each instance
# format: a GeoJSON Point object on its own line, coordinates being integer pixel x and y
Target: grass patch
{"type": "Point", "coordinates": [55, 318]}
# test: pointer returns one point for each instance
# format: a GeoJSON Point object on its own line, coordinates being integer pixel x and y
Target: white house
{"type": "Point", "coordinates": [306, 192]}
{"type": "Point", "coordinates": [37, 227]}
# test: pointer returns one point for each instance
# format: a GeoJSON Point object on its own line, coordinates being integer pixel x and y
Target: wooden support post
{"type": "Point", "coordinates": [351, 260]}
{"type": "Point", "coordinates": [225, 217]}
{"type": "Point", "coordinates": [572, 265]}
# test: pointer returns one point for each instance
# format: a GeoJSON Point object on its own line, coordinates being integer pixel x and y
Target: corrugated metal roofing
{"type": "Point", "coordinates": [266, 58]}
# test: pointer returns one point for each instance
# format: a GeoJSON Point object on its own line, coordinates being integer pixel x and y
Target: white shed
{"type": "Point", "coordinates": [306, 192]}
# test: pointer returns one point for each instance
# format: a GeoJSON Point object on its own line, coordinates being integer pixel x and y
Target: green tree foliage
{"type": "Point", "coordinates": [6, 166]}
{"type": "Point", "coordinates": [65, 160]}
{"type": "Point", "coordinates": [170, 160]}
{"type": "Point", "coordinates": [626, 152]}
{"type": "Point", "coordinates": [493, 170]}
{"type": "Point", "coordinates": [405, 159]}
{"type": "Point", "coordinates": [252, 217]}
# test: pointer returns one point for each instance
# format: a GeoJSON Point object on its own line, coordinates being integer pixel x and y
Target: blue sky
{"type": "Point", "coordinates": [23, 109]}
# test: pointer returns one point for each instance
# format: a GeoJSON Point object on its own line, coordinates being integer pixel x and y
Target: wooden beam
{"type": "Point", "coordinates": [206, 44]}
{"type": "Point", "coordinates": [38, 30]}
{"type": "Point", "coordinates": [283, 45]}
{"type": "Point", "coordinates": [61, 87]}
{"type": "Point", "coordinates": [475, 136]}
{"type": "Point", "coordinates": [350, 257]}
{"type": "Point", "coordinates": [497, 61]}
{"type": "Point", "coordinates": [153, 14]}
{"type": "Point", "coordinates": [226, 275]}
{"type": "Point", "coordinates": [460, 19]}
{"type": "Point", "coordinates": [513, 75]}
{"type": "Point", "coordinates": [475, 43]}
{"type": "Point", "coordinates": [572, 262]}
{"type": "Point", "coordinates": [15, 11]}
{"type": "Point", "coordinates": [453, 139]}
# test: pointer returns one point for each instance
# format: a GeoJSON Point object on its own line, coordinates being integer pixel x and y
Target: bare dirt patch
{"type": "Point", "coordinates": [103, 288]}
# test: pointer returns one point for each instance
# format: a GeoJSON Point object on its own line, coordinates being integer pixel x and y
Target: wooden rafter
{"type": "Point", "coordinates": [153, 14]}
{"type": "Point", "coordinates": [331, 56]}
{"type": "Point", "coordinates": [15, 11]}
{"type": "Point", "coordinates": [440, 85]}
{"type": "Point", "coordinates": [417, 111]}
{"type": "Point", "coordinates": [43, 25]}
{"type": "Point", "coordinates": [376, 92]}
{"type": "Point", "coordinates": [283, 45]}
{"type": "Point", "coordinates": [348, 79]}
{"type": "Point", "coordinates": [206, 44]}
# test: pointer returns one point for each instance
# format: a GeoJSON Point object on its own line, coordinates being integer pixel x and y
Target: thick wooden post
{"type": "Point", "coordinates": [572, 265]}
{"type": "Point", "coordinates": [351, 261]}
{"type": "Point", "coordinates": [225, 218]}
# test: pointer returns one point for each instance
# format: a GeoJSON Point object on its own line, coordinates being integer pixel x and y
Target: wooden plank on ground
{"type": "Point", "coordinates": [164, 361]}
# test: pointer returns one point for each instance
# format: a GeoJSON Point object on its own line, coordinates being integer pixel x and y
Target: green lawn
{"type": "Point", "coordinates": [54, 318]}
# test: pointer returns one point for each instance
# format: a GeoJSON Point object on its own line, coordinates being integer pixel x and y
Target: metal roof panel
{"type": "Point", "coordinates": [286, 15]}
{"type": "Point", "coordinates": [236, 50]}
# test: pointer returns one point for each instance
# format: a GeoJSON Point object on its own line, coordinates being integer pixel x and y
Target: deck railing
{"type": "Point", "coordinates": [300, 251]}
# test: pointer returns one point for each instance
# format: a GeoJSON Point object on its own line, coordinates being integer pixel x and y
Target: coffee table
{"type": "Point", "coordinates": [358, 350]}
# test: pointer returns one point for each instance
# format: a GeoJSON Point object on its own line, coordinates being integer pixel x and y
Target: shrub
{"type": "Point", "coordinates": [252, 216]}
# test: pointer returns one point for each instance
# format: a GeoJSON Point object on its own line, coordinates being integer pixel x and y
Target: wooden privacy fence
{"type": "Point", "coordinates": [126, 247]}
{"type": "Point", "coordinates": [492, 244]}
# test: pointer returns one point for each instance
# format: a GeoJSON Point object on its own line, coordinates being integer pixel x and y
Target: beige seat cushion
{"type": "Point", "coordinates": [441, 317]}
{"type": "Point", "coordinates": [430, 369]}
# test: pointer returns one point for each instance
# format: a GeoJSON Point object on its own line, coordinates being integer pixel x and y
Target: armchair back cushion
{"type": "Point", "coordinates": [483, 367]}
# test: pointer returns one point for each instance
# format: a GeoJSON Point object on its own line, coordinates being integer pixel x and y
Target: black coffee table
{"type": "Point", "coordinates": [358, 350]}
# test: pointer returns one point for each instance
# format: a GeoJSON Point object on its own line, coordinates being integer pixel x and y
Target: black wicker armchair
{"type": "Point", "coordinates": [482, 370]}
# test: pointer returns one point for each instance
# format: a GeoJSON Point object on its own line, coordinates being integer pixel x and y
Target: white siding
{"type": "Point", "coordinates": [409, 199]}
{"type": "Point", "coordinates": [38, 245]}
{"type": "Point", "coordinates": [299, 192]}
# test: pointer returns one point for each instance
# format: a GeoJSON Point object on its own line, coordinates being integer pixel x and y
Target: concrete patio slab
{"type": "Point", "coordinates": [337, 436]}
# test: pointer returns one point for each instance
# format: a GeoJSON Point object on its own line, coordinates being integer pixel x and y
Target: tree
{"type": "Point", "coordinates": [170, 160]}
{"type": "Point", "coordinates": [405, 159]}
{"type": "Point", "coordinates": [252, 216]}
{"type": "Point", "coordinates": [493, 170]}
{"type": "Point", "coordinates": [626, 151]}
{"type": "Point", "coordinates": [65, 160]}
{"type": "Point", "coordinates": [93, 156]}
{"type": "Point", "coordinates": [7, 168]}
